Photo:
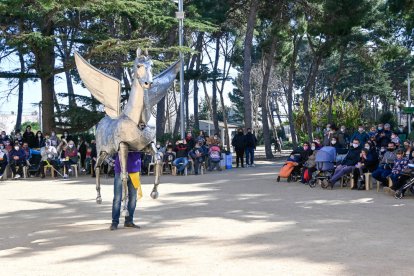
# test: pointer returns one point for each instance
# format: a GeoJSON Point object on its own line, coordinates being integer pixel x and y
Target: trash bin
{"type": "Point", "coordinates": [229, 160]}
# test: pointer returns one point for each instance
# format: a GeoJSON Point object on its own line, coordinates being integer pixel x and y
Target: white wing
{"type": "Point", "coordinates": [105, 88]}
{"type": "Point", "coordinates": [161, 83]}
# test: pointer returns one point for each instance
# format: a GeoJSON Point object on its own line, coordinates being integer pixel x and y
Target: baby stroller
{"type": "Point", "coordinates": [409, 185]}
{"type": "Point", "coordinates": [291, 170]}
{"type": "Point", "coordinates": [325, 167]}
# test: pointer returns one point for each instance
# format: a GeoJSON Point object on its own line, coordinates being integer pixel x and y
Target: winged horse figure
{"type": "Point", "coordinates": [127, 130]}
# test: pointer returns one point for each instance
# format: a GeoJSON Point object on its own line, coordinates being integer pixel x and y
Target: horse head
{"type": "Point", "coordinates": [143, 69]}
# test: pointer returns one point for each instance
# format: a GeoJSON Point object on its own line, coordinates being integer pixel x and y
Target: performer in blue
{"type": "Point", "coordinates": [134, 188]}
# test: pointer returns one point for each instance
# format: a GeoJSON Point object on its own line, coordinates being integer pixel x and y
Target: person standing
{"type": "Point", "coordinates": [29, 137]}
{"type": "Point", "coordinates": [40, 141]}
{"type": "Point", "coordinates": [94, 156]}
{"type": "Point", "coordinates": [360, 135]}
{"type": "Point", "coordinates": [133, 167]}
{"type": "Point", "coordinates": [190, 141]}
{"type": "Point", "coordinates": [250, 142]}
{"type": "Point", "coordinates": [239, 147]}
{"type": "Point", "coordinates": [82, 147]}
{"type": "Point", "coordinates": [54, 140]}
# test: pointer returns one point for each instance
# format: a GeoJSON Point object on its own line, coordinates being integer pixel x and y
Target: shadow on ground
{"type": "Point", "coordinates": [247, 209]}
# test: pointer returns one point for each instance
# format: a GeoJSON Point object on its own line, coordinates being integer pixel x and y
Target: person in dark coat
{"type": "Point", "coordinates": [94, 156]}
{"type": "Point", "coordinates": [383, 140]}
{"type": "Point", "coordinates": [29, 137]}
{"type": "Point", "coordinates": [304, 151]}
{"type": "Point", "coordinates": [348, 164]}
{"type": "Point", "coordinates": [239, 147]}
{"type": "Point", "coordinates": [360, 135]}
{"type": "Point", "coordinates": [368, 163]}
{"type": "Point", "coordinates": [190, 141]}
{"type": "Point", "coordinates": [82, 147]}
{"type": "Point", "coordinates": [17, 158]}
{"type": "Point", "coordinates": [40, 140]}
{"type": "Point", "coordinates": [250, 142]}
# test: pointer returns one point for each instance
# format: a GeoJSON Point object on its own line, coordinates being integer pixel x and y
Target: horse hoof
{"type": "Point", "coordinates": [98, 200]}
{"type": "Point", "coordinates": [154, 195]}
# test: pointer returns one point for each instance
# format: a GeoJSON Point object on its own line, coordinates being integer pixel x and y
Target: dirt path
{"type": "Point", "coordinates": [237, 222]}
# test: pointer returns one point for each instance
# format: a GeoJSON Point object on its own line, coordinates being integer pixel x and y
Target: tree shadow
{"type": "Point", "coordinates": [273, 221]}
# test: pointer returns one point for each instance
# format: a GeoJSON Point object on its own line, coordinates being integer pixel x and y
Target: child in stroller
{"type": "Point", "coordinates": [325, 166]}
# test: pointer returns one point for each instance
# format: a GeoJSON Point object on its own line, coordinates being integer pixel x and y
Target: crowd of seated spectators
{"type": "Point", "coordinates": [191, 153]}
{"type": "Point", "coordinates": [381, 151]}
{"type": "Point", "coordinates": [33, 152]}
{"type": "Point", "coordinates": [36, 151]}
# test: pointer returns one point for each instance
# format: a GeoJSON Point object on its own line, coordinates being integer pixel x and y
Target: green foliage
{"type": "Point", "coordinates": [35, 126]}
{"type": "Point", "coordinates": [389, 117]}
{"type": "Point", "coordinates": [344, 113]}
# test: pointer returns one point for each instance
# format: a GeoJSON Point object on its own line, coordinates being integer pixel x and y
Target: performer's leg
{"type": "Point", "coordinates": [132, 201]}
{"type": "Point", "coordinates": [116, 204]}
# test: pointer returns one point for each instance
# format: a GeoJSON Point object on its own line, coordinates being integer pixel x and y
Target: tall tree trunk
{"type": "Point", "coordinates": [273, 126]}
{"type": "Point", "coordinates": [199, 47]}
{"type": "Point", "coordinates": [248, 45]}
{"type": "Point", "coordinates": [264, 99]}
{"type": "Point", "coordinates": [306, 93]}
{"type": "Point", "coordinates": [57, 106]}
{"type": "Point", "coordinates": [226, 128]}
{"type": "Point", "coordinates": [45, 66]}
{"type": "Point", "coordinates": [335, 82]}
{"type": "Point", "coordinates": [21, 89]}
{"type": "Point", "coordinates": [292, 69]}
{"type": "Point", "coordinates": [214, 96]}
{"type": "Point", "coordinates": [71, 93]}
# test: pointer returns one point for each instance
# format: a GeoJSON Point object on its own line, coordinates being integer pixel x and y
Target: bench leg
{"type": "Point", "coordinates": [368, 182]}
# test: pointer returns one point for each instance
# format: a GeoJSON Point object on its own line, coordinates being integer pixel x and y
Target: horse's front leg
{"type": "Point", "coordinates": [99, 160]}
{"type": "Point", "coordinates": [157, 171]}
{"type": "Point", "coordinates": [123, 157]}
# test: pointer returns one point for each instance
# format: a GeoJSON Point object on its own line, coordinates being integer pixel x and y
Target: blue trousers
{"type": "Point", "coordinates": [340, 171]}
{"type": "Point", "coordinates": [394, 178]}
{"type": "Point", "coordinates": [116, 204]}
{"type": "Point", "coordinates": [180, 163]}
{"type": "Point", "coordinates": [381, 173]}
{"type": "Point", "coordinates": [249, 155]}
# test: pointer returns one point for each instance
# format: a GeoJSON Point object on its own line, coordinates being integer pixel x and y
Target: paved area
{"type": "Point", "coordinates": [237, 222]}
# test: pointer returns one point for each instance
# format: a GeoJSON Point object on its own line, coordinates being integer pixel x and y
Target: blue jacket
{"type": "Point", "coordinates": [20, 153]}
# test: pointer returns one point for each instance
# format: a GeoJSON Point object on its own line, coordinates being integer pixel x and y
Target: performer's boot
{"type": "Point", "coordinates": [130, 224]}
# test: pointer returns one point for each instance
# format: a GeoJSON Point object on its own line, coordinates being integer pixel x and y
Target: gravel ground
{"type": "Point", "coordinates": [235, 222]}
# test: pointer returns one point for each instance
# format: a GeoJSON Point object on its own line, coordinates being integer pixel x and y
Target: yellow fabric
{"type": "Point", "coordinates": [136, 181]}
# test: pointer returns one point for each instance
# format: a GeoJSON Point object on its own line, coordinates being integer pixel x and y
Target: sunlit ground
{"type": "Point", "coordinates": [237, 222]}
